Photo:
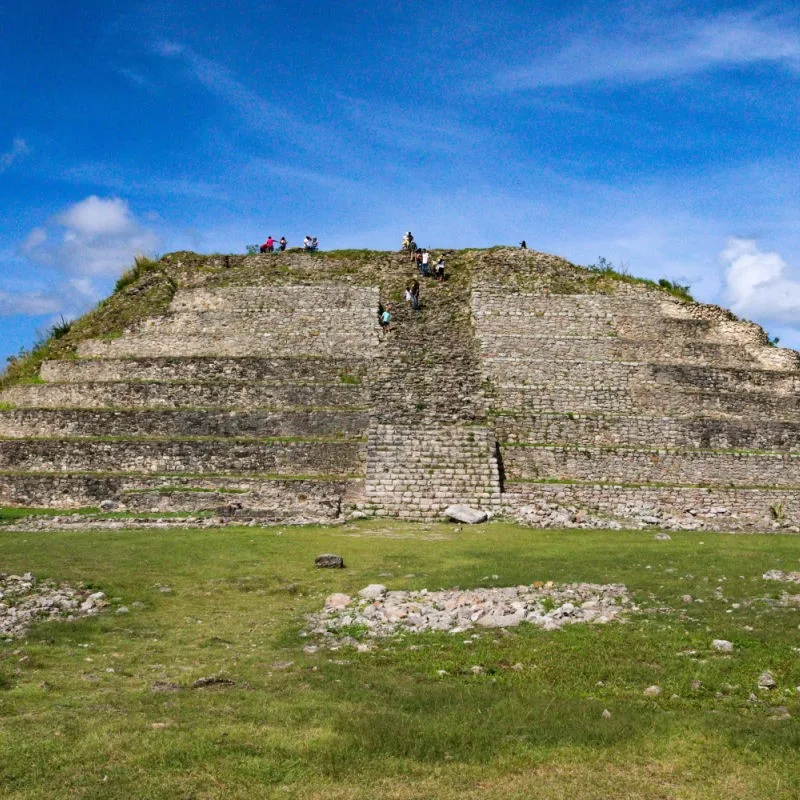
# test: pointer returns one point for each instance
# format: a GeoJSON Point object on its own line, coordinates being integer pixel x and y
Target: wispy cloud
{"type": "Point", "coordinates": [662, 47]}
{"type": "Point", "coordinates": [94, 237]}
{"type": "Point", "coordinates": [257, 112]}
{"type": "Point", "coordinates": [19, 148]}
{"type": "Point", "coordinates": [426, 129]}
{"type": "Point", "coordinates": [758, 284]}
{"type": "Point", "coordinates": [32, 304]}
{"type": "Point", "coordinates": [113, 177]}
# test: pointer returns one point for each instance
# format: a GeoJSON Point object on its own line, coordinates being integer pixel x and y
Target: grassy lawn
{"type": "Point", "coordinates": [103, 708]}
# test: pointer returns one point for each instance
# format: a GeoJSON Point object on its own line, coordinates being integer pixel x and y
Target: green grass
{"type": "Point", "coordinates": [88, 721]}
{"type": "Point", "coordinates": [10, 514]}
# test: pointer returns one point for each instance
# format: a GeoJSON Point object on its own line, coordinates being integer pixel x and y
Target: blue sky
{"type": "Point", "coordinates": [663, 136]}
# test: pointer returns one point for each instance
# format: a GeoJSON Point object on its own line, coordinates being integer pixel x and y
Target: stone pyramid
{"type": "Point", "coordinates": [262, 386]}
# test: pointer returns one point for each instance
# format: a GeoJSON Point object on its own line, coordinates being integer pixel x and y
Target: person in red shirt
{"type": "Point", "coordinates": [268, 246]}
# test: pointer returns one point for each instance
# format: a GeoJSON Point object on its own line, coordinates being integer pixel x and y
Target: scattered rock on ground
{"type": "Point", "coordinates": [722, 646]}
{"type": "Point", "coordinates": [652, 691]}
{"type": "Point", "coordinates": [329, 561]}
{"type": "Point", "coordinates": [375, 591]}
{"type": "Point", "coordinates": [766, 681]}
{"type": "Point", "coordinates": [212, 680]}
{"type": "Point", "coordinates": [337, 600]}
{"type": "Point", "coordinates": [24, 600]}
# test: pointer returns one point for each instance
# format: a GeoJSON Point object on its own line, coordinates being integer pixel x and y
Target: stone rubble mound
{"type": "Point", "coordinates": [781, 576]}
{"type": "Point", "coordinates": [379, 612]}
{"type": "Point", "coordinates": [24, 600]}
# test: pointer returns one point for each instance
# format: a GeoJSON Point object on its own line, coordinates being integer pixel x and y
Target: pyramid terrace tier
{"type": "Point", "coordinates": [636, 315]}
{"type": "Point", "coordinates": [690, 507]}
{"type": "Point", "coordinates": [170, 423]}
{"type": "Point", "coordinates": [124, 395]}
{"type": "Point", "coordinates": [204, 370]}
{"type": "Point", "coordinates": [203, 323]}
{"type": "Point", "coordinates": [195, 456]}
{"type": "Point", "coordinates": [662, 351]}
{"type": "Point", "coordinates": [256, 343]}
{"type": "Point", "coordinates": [537, 371]}
{"type": "Point", "coordinates": [296, 500]}
{"type": "Point", "coordinates": [316, 298]}
{"type": "Point", "coordinates": [715, 433]}
{"type": "Point", "coordinates": [645, 400]}
{"type": "Point", "coordinates": [651, 466]}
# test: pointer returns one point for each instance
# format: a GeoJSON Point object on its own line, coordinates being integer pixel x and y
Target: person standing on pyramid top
{"type": "Point", "coordinates": [282, 244]}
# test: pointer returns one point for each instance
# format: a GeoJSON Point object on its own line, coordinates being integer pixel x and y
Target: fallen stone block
{"type": "Point", "coordinates": [329, 561]}
{"type": "Point", "coordinates": [465, 514]}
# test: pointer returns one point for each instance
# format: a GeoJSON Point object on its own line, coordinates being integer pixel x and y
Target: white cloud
{"type": "Point", "coordinates": [19, 148]}
{"type": "Point", "coordinates": [94, 237]}
{"type": "Point", "coordinates": [663, 47]}
{"type": "Point", "coordinates": [29, 303]}
{"type": "Point", "coordinates": [94, 217]}
{"type": "Point", "coordinates": [757, 284]}
{"type": "Point", "coordinates": [80, 250]}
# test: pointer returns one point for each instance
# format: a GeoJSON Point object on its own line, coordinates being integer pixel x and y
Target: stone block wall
{"type": "Point", "coordinates": [415, 472]}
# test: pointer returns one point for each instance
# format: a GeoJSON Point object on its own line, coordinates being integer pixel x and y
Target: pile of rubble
{"type": "Point", "coordinates": [781, 576]}
{"type": "Point", "coordinates": [24, 600]}
{"type": "Point", "coordinates": [377, 612]}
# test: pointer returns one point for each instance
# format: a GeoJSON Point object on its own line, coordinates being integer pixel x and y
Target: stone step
{"type": "Point", "coordinates": [298, 500]}
{"type": "Point", "coordinates": [743, 508]}
{"type": "Point", "coordinates": [627, 327]}
{"type": "Point", "coordinates": [486, 303]}
{"type": "Point", "coordinates": [608, 348]}
{"type": "Point", "coordinates": [622, 375]}
{"type": "Point", "coordinates": [26, 423]}
{"type": "Point", "coordinates": [258, 344]}
{"type": "Point", "coordinates": [609, 429]}
{"type": "Point", "coordinates": [323, 322]}
{"type": "Point", "coordinates": [227, 370]}
{"type": "Point", "coordinates": [650, 466]}
{"type": "Point", "coordinates": [285, 298]}
{"type": "Point", "coordinates": [197, 457]}
{"type": "Point", "coordinates": [183, 395]}
{"type": "Point", "coordinates": [646, 400]}
{"type": "Point", "coordinates": [626, 312]}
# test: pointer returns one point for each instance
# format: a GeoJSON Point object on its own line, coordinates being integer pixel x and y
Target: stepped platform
{"type": "Point", "coordinates": [610, 348]}
{"type": "Point", "coordinates": [264, 386]}
{"type": "Point", "coordinates": [709, 433]}
{"type": "Point", "coordinates": [664, 466]}
{"type": "Point", "coordinates": [168, 456]}
{"type": "Point", "coordinates": [29, 423]}
{"type": "Point", "coordinates": [204, 370]}
{"type": "Point", "coordinates": [157, 394]}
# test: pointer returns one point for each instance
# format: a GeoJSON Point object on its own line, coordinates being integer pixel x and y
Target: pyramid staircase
{"type": "Point", "coordinates": [428, 447]}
